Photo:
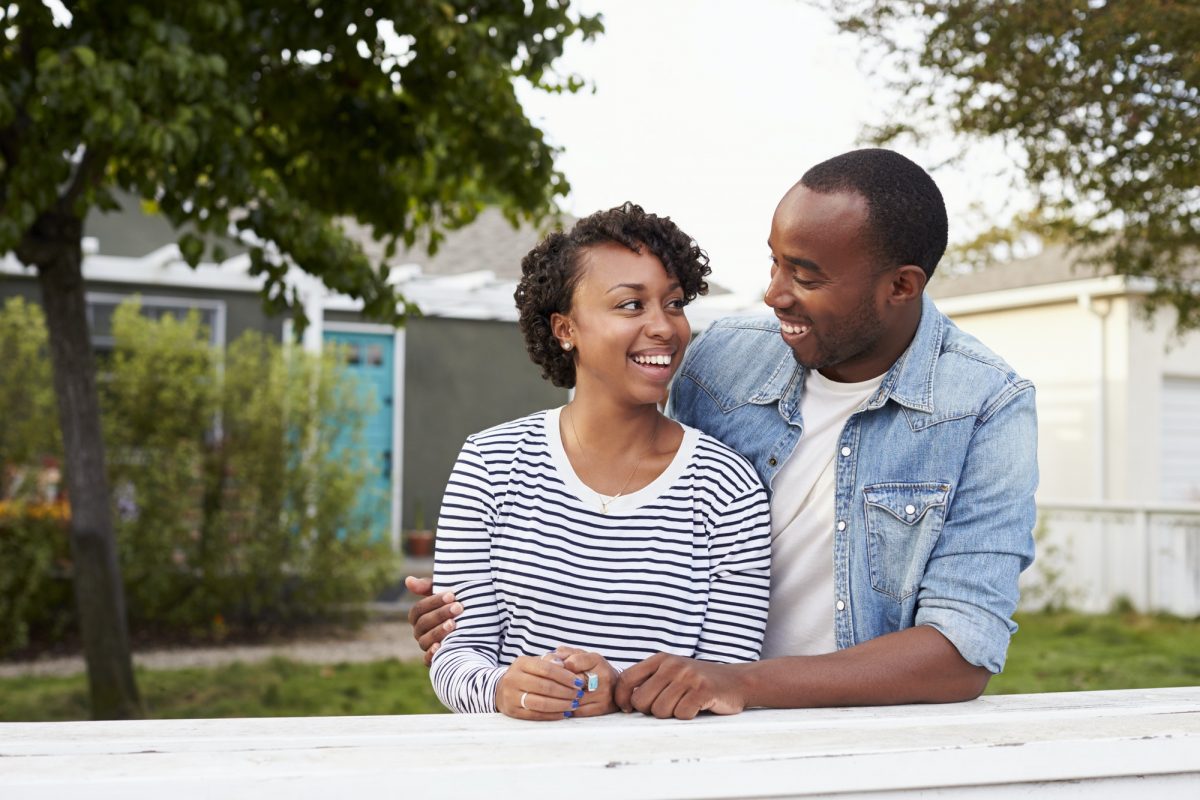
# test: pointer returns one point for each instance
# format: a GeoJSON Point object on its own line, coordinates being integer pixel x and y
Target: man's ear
{"type": "Point", "coordinates": [560, 326]}
{"type": "Point", "coordinates": [908, 282]}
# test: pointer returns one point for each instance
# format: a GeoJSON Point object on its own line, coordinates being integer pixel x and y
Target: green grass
{"type": "Point", "coordinates": [1076, 652]}
{"type": "Point", "coordinates": [1050, 653]}
{"type": "Point", "coordinates": [276, 688]}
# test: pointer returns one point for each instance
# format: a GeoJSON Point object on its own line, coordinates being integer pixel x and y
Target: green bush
{"type": "Point", "coordinates": [33, 539]}
{"type": "Point", "coordinates": [235, 476]}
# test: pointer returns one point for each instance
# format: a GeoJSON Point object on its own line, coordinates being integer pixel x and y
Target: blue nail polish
{"type": "Point", "coordinates": [567, 714]}
{"type": "Point", "coordinates": [579, 694]}
{"type": "Point", "coordinates": [574, 704]}
{"type": "Point", "coordinates": [579, 681]}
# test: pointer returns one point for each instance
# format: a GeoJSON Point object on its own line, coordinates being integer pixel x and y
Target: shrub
{"type": "Point", "coordinates": [33, 540]}
{"type": "Point", "coordinates": [286, 530]}
{"type": "Point", "coordinates": [235, 480]}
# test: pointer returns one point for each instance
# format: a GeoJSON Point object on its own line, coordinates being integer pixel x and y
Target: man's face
{"type": "Point", "coordinates": [827, 288]}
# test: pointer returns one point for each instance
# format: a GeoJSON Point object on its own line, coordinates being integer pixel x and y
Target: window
{"type": "Point", "coordinates": [101, 307]}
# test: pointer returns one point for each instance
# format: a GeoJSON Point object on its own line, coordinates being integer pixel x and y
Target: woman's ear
{"type": "Point", "coordinates": [560, 326]}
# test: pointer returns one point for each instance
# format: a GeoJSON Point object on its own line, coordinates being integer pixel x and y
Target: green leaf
{"type": "Point", "coordinates": [192, 248]}
{"type": "Point", "coordinates": [85, 55]}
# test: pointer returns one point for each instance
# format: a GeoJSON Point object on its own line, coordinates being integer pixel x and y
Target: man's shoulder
{"type": "Point", "coordinates": [968, 370]}
{"type": "Point", "coordinates": [741, 343]}
{"type": "Point", "coordinates": [734, 359]}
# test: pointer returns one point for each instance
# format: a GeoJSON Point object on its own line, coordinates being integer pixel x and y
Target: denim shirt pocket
{"type": "Point", "coordinates": [903, 522]}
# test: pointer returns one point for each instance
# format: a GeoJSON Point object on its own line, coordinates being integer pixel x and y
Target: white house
{"type": "Point", "coordinates": [1118, 395]}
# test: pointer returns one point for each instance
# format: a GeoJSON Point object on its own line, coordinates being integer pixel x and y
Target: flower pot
{"type": "Point", "coordinates": [418, 543]}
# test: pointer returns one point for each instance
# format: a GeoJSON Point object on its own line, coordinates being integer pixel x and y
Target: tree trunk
{"type": "Point", "coordinates": [54, 247]}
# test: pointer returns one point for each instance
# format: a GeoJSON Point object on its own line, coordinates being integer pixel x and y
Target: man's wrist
{"type": "Point", "coordinates": [747, 680]}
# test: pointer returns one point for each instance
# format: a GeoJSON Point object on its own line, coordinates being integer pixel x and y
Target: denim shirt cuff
{"type": "Point", "coordinates": [981, 638]}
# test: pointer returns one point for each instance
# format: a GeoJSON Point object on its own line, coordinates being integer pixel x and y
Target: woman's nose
{"type": "Point", "coordinates": [658, 325]}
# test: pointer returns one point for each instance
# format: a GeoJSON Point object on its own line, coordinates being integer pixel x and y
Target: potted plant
{"type": "Point", "coordinates": [418, 540]}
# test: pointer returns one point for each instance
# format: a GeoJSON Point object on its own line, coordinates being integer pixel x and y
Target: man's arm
{"type": "Point", "coordinates": [963, 621]}
{"type": "Point", "coordinates": [918, 665]}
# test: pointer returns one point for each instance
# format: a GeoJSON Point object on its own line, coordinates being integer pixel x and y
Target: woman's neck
{"type": "Point", "coordinates": [611, 430]}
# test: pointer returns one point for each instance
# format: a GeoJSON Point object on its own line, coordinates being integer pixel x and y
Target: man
{"type": "Point", "coordinates": [900, 454]}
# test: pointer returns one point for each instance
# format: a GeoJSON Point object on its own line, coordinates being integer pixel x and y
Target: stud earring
{"type": "Point", "coordinates": [567, 346]}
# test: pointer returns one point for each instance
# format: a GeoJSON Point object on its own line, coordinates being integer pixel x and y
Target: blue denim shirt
{"type": "Point", "coordinates": [935, 475]}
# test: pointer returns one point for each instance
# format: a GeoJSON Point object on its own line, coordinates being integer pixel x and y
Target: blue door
{"type": "Point", "coordinates": [369, 360]}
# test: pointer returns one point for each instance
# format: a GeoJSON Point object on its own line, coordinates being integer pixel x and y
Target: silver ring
{"type": "Point", "coordinates": [593, 681]}
{"type": "Point", "coordinates": [523, 696]}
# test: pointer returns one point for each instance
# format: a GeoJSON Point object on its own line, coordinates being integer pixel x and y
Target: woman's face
{"type": "Point", "coordinates": [626, 325]}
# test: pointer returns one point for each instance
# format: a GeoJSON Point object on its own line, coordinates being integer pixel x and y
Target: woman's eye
{"type": "Point", "coordinates": [630, 305]}
{"type": "Point", "coordinates": [677, 303]}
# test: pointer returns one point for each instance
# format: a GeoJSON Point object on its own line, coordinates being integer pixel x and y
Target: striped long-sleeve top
{"type": "Point", "coordinates": [680, 566]}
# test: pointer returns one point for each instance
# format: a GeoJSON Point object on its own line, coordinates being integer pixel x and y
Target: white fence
{"type": "Point", "coordinates": [1093, 555]}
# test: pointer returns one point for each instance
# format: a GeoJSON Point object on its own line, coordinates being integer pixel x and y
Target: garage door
{"type": "Point", "coordinates": [1181, 440]}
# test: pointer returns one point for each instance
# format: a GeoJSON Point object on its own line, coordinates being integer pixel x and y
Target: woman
{"type": "Point", "coordinates": [584, 539]}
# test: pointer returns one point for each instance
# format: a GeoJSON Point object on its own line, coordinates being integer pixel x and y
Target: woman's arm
{"type": "Point", "coordinates": [466, 671]}
{"type": "Point", "coordinates": [740, 579]}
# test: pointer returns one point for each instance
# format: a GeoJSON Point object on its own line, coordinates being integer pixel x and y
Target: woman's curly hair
{"type": "Point", "coordinates": [552, 270]}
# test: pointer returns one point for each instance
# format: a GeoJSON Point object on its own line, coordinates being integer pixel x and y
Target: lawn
{"type": "Point", "coordinates": [1050, 653]}
{"type": "Point", "coordinates": [1075, 652]}
{"type": "Point", "coordinates": [276, 688]}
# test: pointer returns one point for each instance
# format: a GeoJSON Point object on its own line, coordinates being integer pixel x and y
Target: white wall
{"type": "Point", "coordinates": [1087, 558]}
{"type": "Point", "coordinates": [1055, 346]}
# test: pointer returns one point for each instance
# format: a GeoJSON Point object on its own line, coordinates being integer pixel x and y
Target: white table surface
{"type": "Point", "coordinates": [1084, 744]}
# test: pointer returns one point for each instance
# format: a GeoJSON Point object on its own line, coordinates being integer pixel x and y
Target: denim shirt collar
{"type": "Point", "coordinates": [909, 382]}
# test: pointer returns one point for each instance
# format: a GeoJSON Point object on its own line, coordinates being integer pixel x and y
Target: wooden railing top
{"type": "Point", "coordinates": [1148, 739]}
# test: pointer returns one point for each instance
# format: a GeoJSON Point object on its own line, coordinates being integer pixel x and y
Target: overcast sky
{"type": "Point", "coordinates": [708, 110]}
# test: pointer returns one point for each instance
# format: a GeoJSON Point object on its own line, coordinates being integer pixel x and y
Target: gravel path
{"type": "Point", "coordinates": [376, 641]}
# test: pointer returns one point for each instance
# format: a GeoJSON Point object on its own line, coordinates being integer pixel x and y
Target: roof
{"type": "Point", "coordinates": [490, 243]}
{"type": "Point", "coordinates": [472, 275]}
{"type": "Point", "coordinates": [1053, 265]}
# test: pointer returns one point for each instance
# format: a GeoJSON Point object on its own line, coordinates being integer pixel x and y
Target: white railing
{"type": "Point", "coordinates": [1092, 555]}
{"type": "Point", "coordinates": [1082, 744]}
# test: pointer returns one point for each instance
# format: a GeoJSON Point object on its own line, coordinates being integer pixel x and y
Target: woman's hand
{"type": "Point", "coordinates": [540, 688]}
{"type": "Point", "coordinates": [583, 663]}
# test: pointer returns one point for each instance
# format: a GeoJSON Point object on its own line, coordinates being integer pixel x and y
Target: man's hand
{"type": "Point", "coordinates": [431, 618]}
{"type": "Point", "coordinates": [674, 686]}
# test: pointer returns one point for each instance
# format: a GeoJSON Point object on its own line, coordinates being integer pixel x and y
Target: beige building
{"type": "Point", "coordinates": [1119, 412]}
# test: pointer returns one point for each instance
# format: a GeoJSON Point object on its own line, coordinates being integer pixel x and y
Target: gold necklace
{"type": "Point", "coordinates": [603, 504]}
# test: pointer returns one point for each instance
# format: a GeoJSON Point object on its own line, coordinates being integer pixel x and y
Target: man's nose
{"type": "Point", "coordinates": [777, 294]}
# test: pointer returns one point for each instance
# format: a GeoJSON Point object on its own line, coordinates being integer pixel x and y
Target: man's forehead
{"type": "Point", "coordinates": [832, 212]}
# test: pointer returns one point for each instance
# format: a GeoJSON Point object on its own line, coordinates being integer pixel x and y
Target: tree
{"type": "Point", "coordinates": [1102, 97]}
{"type": "Point", "coordinates": [268, 119]}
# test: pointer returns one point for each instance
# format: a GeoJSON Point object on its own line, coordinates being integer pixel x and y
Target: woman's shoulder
{"type": "Point", "coordinates": [714, 456]}
{"type": "Point", "coordinates": [512, 432]}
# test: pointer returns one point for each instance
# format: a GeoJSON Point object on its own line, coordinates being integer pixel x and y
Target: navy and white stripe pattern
{"type": "Point", "coordinates": [536, 566]}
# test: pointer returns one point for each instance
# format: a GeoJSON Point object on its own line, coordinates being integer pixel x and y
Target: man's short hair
{"type": "Point", "coordinates": [906, 217]}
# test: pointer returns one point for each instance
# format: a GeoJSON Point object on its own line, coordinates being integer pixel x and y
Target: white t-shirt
{"type": "Point", "coordinates": [800, 621]}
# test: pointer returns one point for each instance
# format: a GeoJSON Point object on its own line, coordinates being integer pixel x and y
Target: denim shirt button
{"type": "Point", "coordinates": [841, 524]}
{"type": "Point", "coordinates": [771, 461]}
{"type": "Point", "coordinates": [910, 509]}
{"type": "Point", "coordinates": [841, 605]}
{"type": "Point", "coordinates": [845, 451]}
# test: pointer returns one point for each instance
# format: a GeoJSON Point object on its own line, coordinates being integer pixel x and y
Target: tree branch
{"type": "Point", "coordinates": [91, 166]}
